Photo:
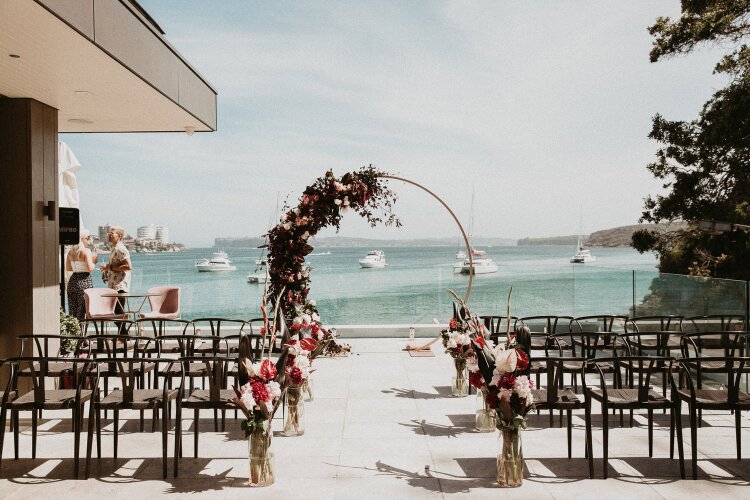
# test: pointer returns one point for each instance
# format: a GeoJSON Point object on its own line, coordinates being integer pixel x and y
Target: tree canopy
{"type": "Point", "coordinates": [703, 163]}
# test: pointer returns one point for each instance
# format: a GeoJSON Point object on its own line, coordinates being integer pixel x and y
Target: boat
{"type": "Point", "coordinates": [483, 265]}
{"type": "Point", "coordinates": [261, 262]}
{"type": "Point", "coordinates": [257, 278]}
{"type": "Point", "coordinates": [460, 255]}
{"type": "Point", "coordinates": [478, 253]}
{"type": "Point", "coordinates": [218, 263]}
{"type": "Point", "coordinates": [582, 256]}
{"type": "Point", "coordinates": [373, 259]}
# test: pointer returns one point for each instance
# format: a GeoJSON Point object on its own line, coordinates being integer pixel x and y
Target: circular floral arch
{"type": "Point", "coordinates": [322, 204]}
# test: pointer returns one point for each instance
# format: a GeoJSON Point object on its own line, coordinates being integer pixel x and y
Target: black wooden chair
{"type": "Point", "coordinates": [625, 396]}
{"type": "Point", "coordinates": [665, 323]}
{"type": "Point", "coordinates": [83, 372]}
{"type": "Point", "coordinates": [698, 398]}
{"type": "Point", "coordinates": [210, 330]}
{"type": "Point", "coordinates": [131, 396]}
{"type": "Point", "coordinates": [552, 397]}
{"type": "Point", "coordinates": [714, 322]}
{"type": "Point", "coordinates": [7, 395]}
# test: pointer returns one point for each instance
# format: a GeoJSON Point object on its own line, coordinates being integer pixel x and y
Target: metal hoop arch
{"type": "Point", "coordinates": [458, 223]}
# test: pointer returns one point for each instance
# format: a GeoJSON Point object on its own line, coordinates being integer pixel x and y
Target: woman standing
{"type": "Point", "coordinates": [81, 261]}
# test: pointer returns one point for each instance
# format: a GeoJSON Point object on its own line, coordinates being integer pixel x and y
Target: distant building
{"type": "Point", "coordinates": [162, 234]}
{"type": "Point", "coordinates": [103, 231]}
{"type": "Point", "coordinates": [147, 232]}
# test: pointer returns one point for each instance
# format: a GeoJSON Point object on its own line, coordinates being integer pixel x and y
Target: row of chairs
{"type": "Point", "coordinates": [632, 361]}
{"type": "Point", "coordinates": [497, 325]}
{"type": "Point", "coordinates": [169, 358]}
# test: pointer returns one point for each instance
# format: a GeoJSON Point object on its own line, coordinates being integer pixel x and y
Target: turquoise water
{"type": "Point", "coordinates": [413, 288]}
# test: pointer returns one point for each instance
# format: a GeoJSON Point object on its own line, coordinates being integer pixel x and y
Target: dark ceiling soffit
{"type": "Point", "coordinates": [38, 2]}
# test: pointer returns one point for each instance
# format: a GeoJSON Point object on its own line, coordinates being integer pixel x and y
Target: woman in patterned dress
{"type": "Point", "coordinates": [81, 262]}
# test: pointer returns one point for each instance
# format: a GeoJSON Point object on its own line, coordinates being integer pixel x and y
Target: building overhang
{"type": "Point", "coordinates": [104, 64]}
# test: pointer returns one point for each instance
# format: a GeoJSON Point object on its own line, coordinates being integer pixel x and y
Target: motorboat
{"type": "Point", "coordinates": [373, 259]}
{"type": "Point", "coordinates": [218, 263]}
{"type": "Point", "coordinates": [480, 266]}
{"type": "Point", "coordinates": [582, 256]}
{"type": "Point", "coordinates": [460, 255]}
{"type": "Point", "coordinates": [257, 278]}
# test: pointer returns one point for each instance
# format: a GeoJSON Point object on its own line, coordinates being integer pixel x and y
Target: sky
{"type": "Point", "coordinates": [541, 109]}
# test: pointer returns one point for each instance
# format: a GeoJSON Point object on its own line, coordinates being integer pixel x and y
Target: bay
{"type": "Point", "coordinates": [413, 289]}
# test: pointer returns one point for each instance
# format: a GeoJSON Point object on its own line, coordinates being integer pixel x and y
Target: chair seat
{"type": "Point", "coordinates": [538, 367]}
{"type": "Point", "coordinates": [194, 370]}
{"type": "Point", "coordinates": [718, 366]}
{"type": "Point", "coordinates": [105, 370]}
{"type": "Point", "coordinates": [54, 369]}
{"type": "Point", "coordinates": [57, 399]}
{"type": "Point", "coordinates": [566, 399]}
{"type": "Point", "coordinates": [629, 397]}
{"type": "Point", "coordinates": [714, 397]}
{"type": "Point", "coordinates": [200, 398]}
{"type": "Point", "coordinates": [108, 316]}
{"type": "Point", "coordinates": [158, 315]}
{"type": "Point", "coordinates": [143, 399]}
{"type": "Point", "coordinates": [578, 365]}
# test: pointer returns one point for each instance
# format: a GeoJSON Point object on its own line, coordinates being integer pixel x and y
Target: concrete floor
{"type": "Point", "coordinates": [382, 425]}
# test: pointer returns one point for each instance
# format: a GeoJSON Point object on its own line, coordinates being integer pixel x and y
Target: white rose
{"type": "Point", "coordinates": [313, 303]}
{"type": "Point", "coordinates": [306, 318]}
{"type": "Point", "coordinates": [248, 401]}
{"type": "Point", "coordinates": [315, 317]}
{"type": "Point", "coordinates": [298, 320]}
{"type": "Point", "coordinates": [452, 344]}
{"type": "Point", "coordinates": [521, 387]}
{"type": "Point", "coordinates": [287, 226]}
{"type": "Point", "coordinates": [337, 201]}
{"type": "Point", "coordinates": [305, 235]}
{"type": "Point", "coordinates": [274, 389]}
{"type": "Point", "coordinates": [472, 364]}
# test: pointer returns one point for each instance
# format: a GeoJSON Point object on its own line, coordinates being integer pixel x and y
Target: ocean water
{"type": "Point", "coordinates": [413, 289]}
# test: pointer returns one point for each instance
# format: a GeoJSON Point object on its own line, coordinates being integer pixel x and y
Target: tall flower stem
{"type": "Point", "coordinates": [260, 457]}
{"type": "Point", "coordinates": [510, 460]}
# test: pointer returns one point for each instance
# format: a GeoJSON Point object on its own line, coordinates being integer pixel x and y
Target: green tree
{"type": "Point", "coordinates": [704, 163]}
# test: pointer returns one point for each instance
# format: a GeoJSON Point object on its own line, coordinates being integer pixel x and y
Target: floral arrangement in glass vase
{"type": "Point", "coordinates": [307, 324]}
{"type": "Point", "coordinates": [457, 342]}
{"type": "Point", "coordinates": [297, 367]}
{"type": "Point", "coordinates": [508, 392]}
{"type": "Point", "coordinates": [258, 399]}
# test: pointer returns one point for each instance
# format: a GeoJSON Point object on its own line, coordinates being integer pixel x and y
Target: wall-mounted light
{"type": "Point", "coordinates": [14, 56]}
{"type": "Point", "coordinates": [80, 121]}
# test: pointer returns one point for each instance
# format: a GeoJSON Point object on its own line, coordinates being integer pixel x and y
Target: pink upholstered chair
{"type": "Point", "coordinates": [99, 307]}
{"type": "Point", "coordinates": [166, 305]}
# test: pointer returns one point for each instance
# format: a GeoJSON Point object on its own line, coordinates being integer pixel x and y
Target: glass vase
{"type": "Point", "coordinates": [260, 458]}
{"type": "Point", "coordinates": [307, 389]}
{"type": "Point", "coordinates": [510, 460]}
{"type": "Point", "coordinates": [295, 408]}
{"type": "Point", "coordinates": [486, 417]}
{"type": "Point", "coordinates": [460, 384]}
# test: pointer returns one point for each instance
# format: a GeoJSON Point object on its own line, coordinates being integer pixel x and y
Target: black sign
{"type": "Point", "coordinates": [70, 222]}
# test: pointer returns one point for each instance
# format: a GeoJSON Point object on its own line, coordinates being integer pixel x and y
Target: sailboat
{"type": "Point", "coordinates": [479, 263]}
{"type": "Point", "coordinates": [582, 255]}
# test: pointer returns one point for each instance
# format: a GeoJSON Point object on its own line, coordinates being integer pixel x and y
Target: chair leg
{"type": "Point", "coordinates": [737, 431]}
{"type": "Point", "coordinates": [89, 438]}
{"type": "Point", "coordinates": [98, 434]}
{"type": "Point", "coordinates": [177, 437]}
{"type": "Point", "coordinates": [16, 431]}
{"type": "Point", "coordinates": [570, 433]}
{"type": "Point", "coordinates": [223, 420]}
{"type": "Point", "coordinates": [195, 433]}
{"type": "Point", "coordinates": [2, 433]}
{"type": "Point", "coordinates": [34, 417]}
{"type": "Point", "coordinates": [650, 433]}
{"type": "Point", "coordinates": [141, 415]}
{"type": "Point", "coordinates": [605, 439]}
{"type": "Point", "coordinates": [154, 418]}
{"type": "Point", "coordinates": [77, 440]}
{"type": "Point", "coordinates": [164, 441]}
{"type": "Point", "coordinates": [216, 420]}
{"type": "Point", "coordinates": [672, 424]}
{"type": "Point", "coordinates": [116, 414]}
{"type": "Point", "coordinates": [694, 440]}
{"type": "Point", "coordinates": [678, 427]}
{"type": "Point", "coordinates": [589, 447]}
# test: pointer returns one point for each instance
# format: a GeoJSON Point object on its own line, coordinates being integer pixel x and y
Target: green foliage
{"type": "Point", "coordinates": [70, 327]}
{"type": "Point", "coordinates": [704, 163]}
